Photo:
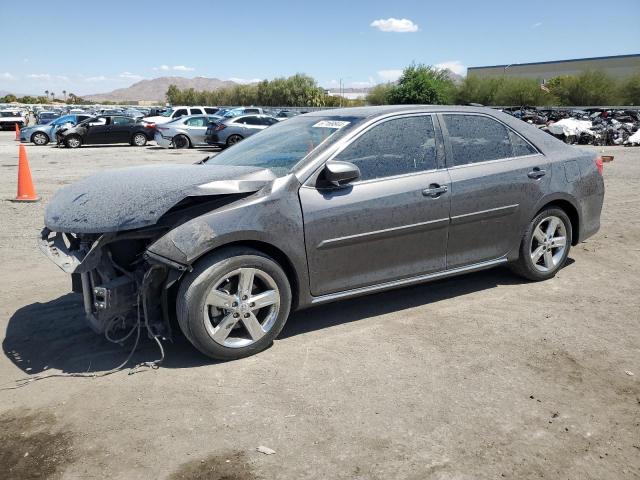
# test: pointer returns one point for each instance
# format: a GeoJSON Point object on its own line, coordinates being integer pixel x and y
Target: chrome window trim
{"type": "Point", "coordinates": [343, 143]}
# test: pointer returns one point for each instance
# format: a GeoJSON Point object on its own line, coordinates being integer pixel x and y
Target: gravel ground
{"type": "Point", "coordinates": [482, 376]}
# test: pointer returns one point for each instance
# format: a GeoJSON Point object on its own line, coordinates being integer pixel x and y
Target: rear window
{"type": "Point", "coordinates": [476, 138]}
{"type": "Point", "coordinates": [520, 146]}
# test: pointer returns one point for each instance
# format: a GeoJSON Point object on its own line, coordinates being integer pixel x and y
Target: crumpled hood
{"type": "Point", "coordinates": [135, 197]}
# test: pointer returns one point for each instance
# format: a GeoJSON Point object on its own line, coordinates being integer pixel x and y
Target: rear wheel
{"type": "Point", "coordinates": [40, 138]}
{"type": "Point", "coordinates": [181, 141]}
{"type": "Point", "coordinates": [233, 139]}
{"type": "Point", "coordinates": [73, 141]}
{"type": "Point", "coordinates": [545, 245]}
{"type": "Point", "coordinates": [139, 140]}
{"type": "Point", "coordinates": [234, 304]}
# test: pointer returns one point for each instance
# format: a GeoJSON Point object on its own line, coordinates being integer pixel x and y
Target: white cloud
{"type": "Point", "coordinates": [536, 25]}
{"type": "Point", "coordinates": [99, 78]}
{"type": "Point", "coordinates": [7, 76]}
{"type": "Point", "coordinates": [455, 66]}
{"type": "Point", "coordinates": [130, 76]}
{"type": "Point", "coordinates": [400, 25]}
{"type": "Point", "coordinates": [39, 76]}
{"type": "Point", "coordinates": [182, 68]}
{"type": "Point", "coordinates": [245, 81]}
{"type": "Point", "coordinates": [162, 67]}
{"type": "Point", "coordinates": [389, 75]}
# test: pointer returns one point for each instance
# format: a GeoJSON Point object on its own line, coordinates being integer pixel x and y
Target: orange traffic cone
{"type": "Point", "coordinates": [17, 133]}
{"type": "Point", "coordinates": [26, 191]}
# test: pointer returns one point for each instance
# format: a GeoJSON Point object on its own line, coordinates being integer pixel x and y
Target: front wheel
{"type": "Point", "coordinates": [73, 141]}
{"type": "Point", "coordinates": [545, 245]}
{"type": "Point", "coordinates": [234, 303]}
{"type": "Point", "coordinates": [40, 138]}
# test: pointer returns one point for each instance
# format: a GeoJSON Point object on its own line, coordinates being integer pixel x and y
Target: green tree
{"type": "Point", "coordinates": [423, 84]}
{"type": "Point", "coordinates": [521, 91]}
{"type": "Point", "coordinates": [591, 87]}
{"type": "Point", "coordinates": [10, 98]}
{"type": "Point", "coordinates": [630, 90]}
{"type": "Point", "coordinates": [379, 95]}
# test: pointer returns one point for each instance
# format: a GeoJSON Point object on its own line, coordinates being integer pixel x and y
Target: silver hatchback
{"type": "Point", "coordinates": [233, 130]}
{"type": "Point", "coordinates": [184, 132]}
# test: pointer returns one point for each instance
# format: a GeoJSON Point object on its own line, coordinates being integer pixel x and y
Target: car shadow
{"type": "Point", "coordinates": [54, 335]}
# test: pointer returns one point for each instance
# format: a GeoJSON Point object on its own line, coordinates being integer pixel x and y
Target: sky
{"type": "Point", "coordinates": [93, 46]}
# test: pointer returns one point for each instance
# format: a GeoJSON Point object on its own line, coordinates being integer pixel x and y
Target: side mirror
{"type": "Point", "coordinates": [339, 173]}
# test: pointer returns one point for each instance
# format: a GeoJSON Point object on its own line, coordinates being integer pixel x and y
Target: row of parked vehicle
{"type": "Point", "coordinates": [178, 127]}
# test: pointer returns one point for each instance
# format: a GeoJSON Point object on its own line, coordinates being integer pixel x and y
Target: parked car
{"type": "Point", "coordinates": [240, 111]}
{"type": "Point", "coordinates": [235, 129]}
{"type": "Point", "coordinates": [10, 118]}
{"type": "Point", "coordinates": [105, 129]}
{"type": "Point", "coordinates": [177, 112]}
{"type": "Point", "coordinates": [45, 117]}
{"type": "Point", "coordinates": [184, 132]}
{"type": "Point", "coordinates": [285, 114]}
{"type": "Point", "coordinates": [43, 134]}
{"type": "Point", "coordinates": [322, 207]}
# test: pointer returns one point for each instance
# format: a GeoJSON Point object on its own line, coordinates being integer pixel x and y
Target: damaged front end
{"type": "Point", "coordinates": [121, 284]}
{"type": "Point", "coordinates": [99, 228]}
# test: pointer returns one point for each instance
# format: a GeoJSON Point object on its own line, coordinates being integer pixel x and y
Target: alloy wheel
{"type": "Point", "coordinates": [39, 139]}
{"type": "Point", "coordinates": [548, 244]}
{"type": "Point", "coordinates": [241, 307]}
{"type": "Point", "coordinates": [140, 140]}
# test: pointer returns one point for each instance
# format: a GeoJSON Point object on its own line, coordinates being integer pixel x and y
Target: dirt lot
{"type": "Point", "coordinates": [483, 376]}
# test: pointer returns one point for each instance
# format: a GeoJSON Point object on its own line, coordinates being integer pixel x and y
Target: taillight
{"type": "Point", "coordinates": [599, 165]}
{"type": "Point", "coordinates": [220, 126]}
{"type": "Point", "coordinates": [150, 125]}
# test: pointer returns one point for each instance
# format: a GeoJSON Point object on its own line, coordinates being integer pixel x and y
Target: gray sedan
{"type": "Point", "coordinates": [232, 130]}
{"type": "Point", "coordinates": [184, 132]}
{"type": "Point", "coordinates": [322, 207]}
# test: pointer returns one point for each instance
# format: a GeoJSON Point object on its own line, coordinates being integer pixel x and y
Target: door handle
{"type": "Point", "coordinates": [536, 173]}
{"type": "Point", "coordinates": [434, 190]}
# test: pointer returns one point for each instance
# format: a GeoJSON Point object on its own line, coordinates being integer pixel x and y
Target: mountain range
{"type": "Point", "coordinates": [154, 90]}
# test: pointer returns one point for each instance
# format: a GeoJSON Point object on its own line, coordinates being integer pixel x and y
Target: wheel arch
{"type": "Point", "coordinates": [570, 208]}
{"type": "Point", "coordinates": [279, 256]}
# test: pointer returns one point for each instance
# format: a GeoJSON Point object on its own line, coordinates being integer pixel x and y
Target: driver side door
{"type": "Point", "coordinates": [97, 131]}
{"type": "Point", "coordinates": [389, 224]}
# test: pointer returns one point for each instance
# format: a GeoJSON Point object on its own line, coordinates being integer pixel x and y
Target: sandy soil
{"type": "Point", "coordinates": [482, 376]}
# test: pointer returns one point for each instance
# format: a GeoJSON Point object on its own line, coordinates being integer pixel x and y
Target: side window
{"type": "Point", "coordinates": [196, 111]}
{"type": "Point", "coordinates": [210, 110]}
{"type": "Point", "coordinates": [475, 138]}
{"type": "Point", "coordinates": [395, 147]}
{"type": "Point", "coordinates": [251, 121]}
{"type": "Point", "coordinates": [196, 122]}
{"type": "Point", "coordinates": [180, 113]}
{"type": "Point", "coordinates": [251, 110]}
{"type": "Point", "coordinates": [123, 121]}
{"type": "Point", "coordinates": [520, 146]}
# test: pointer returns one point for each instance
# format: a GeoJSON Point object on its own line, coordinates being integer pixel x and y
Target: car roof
{"type": "Point", "coordinates": [366, 112]}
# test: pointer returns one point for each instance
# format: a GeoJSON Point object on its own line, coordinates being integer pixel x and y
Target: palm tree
{"type": "Point", "coordinates": [64, 94]}
{"type": "Point", "coordinates": [72, 97]}
{"type": "Point", "coordinates": [53, 96]}
{"type": "Point", "coordinates": [46, 92]}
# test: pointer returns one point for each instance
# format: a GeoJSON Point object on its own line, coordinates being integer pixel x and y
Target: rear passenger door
{"type": "Point", "coordinates": [197, 126]}
{"type": "Point", "coordinates": [121, 129]}
{"type": "Point", "coordinates": [497, 178]}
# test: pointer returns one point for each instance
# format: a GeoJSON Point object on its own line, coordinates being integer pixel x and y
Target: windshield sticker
{"type": "Point", "coordinates": [331, 124]}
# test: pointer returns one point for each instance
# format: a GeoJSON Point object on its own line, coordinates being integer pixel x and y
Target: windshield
{"type": "Point", "coordinates": [8, 114]}
{"type": "Point", "coordinates": [61, 120]}
{"type": "Point", "coordinates": [280, 147]}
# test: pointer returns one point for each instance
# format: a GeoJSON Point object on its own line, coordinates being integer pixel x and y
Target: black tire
{"type": "Point", "coordinates": [139, 140]}
{"type": "Point", "coordinates": [71, 142]}
{"type": "Point", "coordinates": [233, 139]}
{"type": "Point", "coordinates": [40, 138]}
{"type": "Point", "coordinates": [525, 266]}
{"type": "Point", "coordinates": [196, 285]}
{"type": "Point", "coordinates": [181, 141]}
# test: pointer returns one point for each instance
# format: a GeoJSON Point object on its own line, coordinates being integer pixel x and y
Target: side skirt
{"type": "Point", "coordinates": [407, 281]}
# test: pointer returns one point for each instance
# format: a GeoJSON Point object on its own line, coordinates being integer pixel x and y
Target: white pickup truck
{"type": "Point", "coordinates": [9, 119]}
{"type": "Point", "coordinates": [177, 112]}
